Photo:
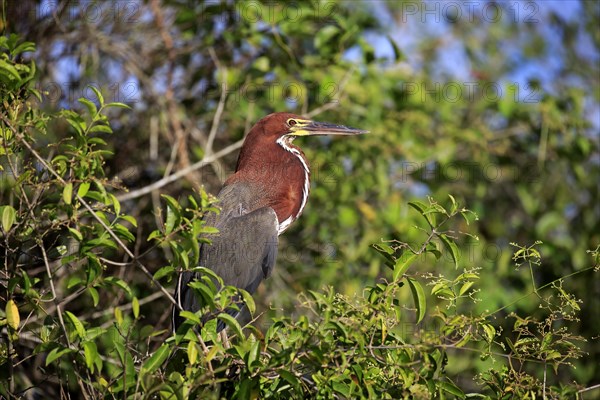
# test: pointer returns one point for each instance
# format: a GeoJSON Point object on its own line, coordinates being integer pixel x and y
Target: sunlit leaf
{"type": "Point", "coordinates": [9, 215]}
{"type": "Point", "coordinates": [12, 314]}
{"type": "Point", "coordinates": [135, 307]}
{"type": "Point", "coordinates": [68, 193]}
{"type": "Point", "coordinates": [192, 352]}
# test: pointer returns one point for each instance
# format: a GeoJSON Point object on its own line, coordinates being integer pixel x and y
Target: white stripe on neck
{"type": "Point", "coordinates": [285, 142]}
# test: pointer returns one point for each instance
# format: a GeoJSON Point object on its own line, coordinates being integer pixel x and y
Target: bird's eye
{"type": "Point", "coordinates": [291, 122]}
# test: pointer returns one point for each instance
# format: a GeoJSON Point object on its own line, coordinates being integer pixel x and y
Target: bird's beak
{"type": "Point", "coordinates": [312, 128]}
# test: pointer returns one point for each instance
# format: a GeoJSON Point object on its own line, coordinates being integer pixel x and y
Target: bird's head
{"type": "Point", "coordinates": [282, 128]}
{"type": "Point", "coordinates": [277, 131]}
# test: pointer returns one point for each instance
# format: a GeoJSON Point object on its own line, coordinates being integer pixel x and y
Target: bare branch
{"type": "Point", "coordinates": [217, 117]}
{"type": "Point", "coordinates": [181, 173]}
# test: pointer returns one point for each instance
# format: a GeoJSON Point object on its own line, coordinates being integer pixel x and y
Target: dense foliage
{"type": "Point", "coordinates": [452, 252]}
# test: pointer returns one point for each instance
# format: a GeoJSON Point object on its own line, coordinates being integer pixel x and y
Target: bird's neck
{"type": "Point", "coordinates": [281, 176]}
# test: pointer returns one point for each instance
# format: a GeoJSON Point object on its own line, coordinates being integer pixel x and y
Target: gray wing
{"type": "Point", "coordinates": [243, 253]}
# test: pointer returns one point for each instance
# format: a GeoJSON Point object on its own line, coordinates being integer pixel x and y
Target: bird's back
{"type": "Point", "coordinates": [244, 250]}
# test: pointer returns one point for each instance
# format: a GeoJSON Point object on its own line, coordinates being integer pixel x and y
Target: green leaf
{"type": "Point", "coordinates": [135, 306]}
{"type": "Point", "coordinates": [465, 287]}
{"type": "Point", "coordinates": [83, 189]}
{"type": "Point", "coordinates": [56, 353]}
{"type": "Point", "coordinates": [290, 378]}
{"type": "Point", "coordinates": [432, 248]}
{"type": "Point", "coordinates": [76, 234]}
{"type": "Point", "coordinates": [385, 251]}
{"type": "Point", "coordinates": [12, 314]}
{"type": "Point", "coordinates": [68, 193]}
{"type": "Point", "coordinates": [252, 357]}
{"type": "Point", "coordinates": [249, 301]}
{"type": "Point", "coordinates": [156, 360]}
{"type": "Point", "coordinates": [117, 104]}
{"type": "Point", "coordinates": [261, 64]}
{"type": "Point", "coordinates": [94, 195]}
{"type": "Point", "coordinates": [402, 264]}
{"type": "Point", "coordinates": [209, 229]}
{"type": "Point", "coordinates": [129, 219]}
{"type": "Point", "coordinates": [232, 323]}
{"type": "Point", "coordinates": [424, 210]}
{"type": "Point", "coordinates": [418, 297]}
{"type": "Point", "coordinates": [337, 327]}
{"type": "Point", "coordinates": [94, 295]}
{"type": "Point", "coordinates": [190, 316]}
{"type": "Point", "coordinates": [154, 235]}
{"type": "Point", "coordinates": [101, 242]}
{"type": "Point", "coordinates": [192, 352]}
{"type": "Point", "coordinates": [77, 324]}
{"type": "Point", "coordinates": [90, 352]}
{"type": "Point", "coordinates": [397, 52]}
{"type": "Point", "coordinates": [97, 140]}
{"type": "Point", "coordinates": [325, 35]}
{"type": "Point", "coordinates": [119, 316]}
{"type": "Point", "coordinates": [118, 282]}
{"type": "Point", "coordinates": [173, 213]}
{"type": "Point", "coordinates": [164, 271]}
{"type": "Point", "coordinates": [203, 291]}
{"type": "Point", "coordinates": [9, 215]}
{"type": "Point", "coordinates": [454, 204]}
{"type": "Point", "coordinates": [123, 232]}
{"type": "Point", "coordinates": [450, 387]}
{"type": "Point", "coordinates": [115, 202]}
{"type": "Point", "coordinates": [10, 69]}
{"type": "Point", "coordinates": [452, 248]}
{"type": "Point", "coordinates": [442, 290]}
{"type": "Point", "coordinates": [91, 107]}
{"type": "Point", "coordinates": [101, 128]}
{"type": "Point", "coordinates": [75, 121]}
{"type": "Point", "coordinates": [490, 332]}
{"type": "Point", "coordinates": [98, 95]}
{"type": "Point", "coordinates": [22, 48]}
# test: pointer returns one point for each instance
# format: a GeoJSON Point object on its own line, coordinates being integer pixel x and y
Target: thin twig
{"type": "Point", "coordinates": [217, 117]}
{"type": "Point", "coordinates": [172, 157]}
{"type": "Point", "coordinates": [587, 389]}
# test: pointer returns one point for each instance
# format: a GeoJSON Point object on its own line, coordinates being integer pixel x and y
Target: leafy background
{"type": "Point", "coordinates": [494, 103]}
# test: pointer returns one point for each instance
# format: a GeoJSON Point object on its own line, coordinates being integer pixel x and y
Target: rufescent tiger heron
{"type": "Point", "coordinates": [267, 192]}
